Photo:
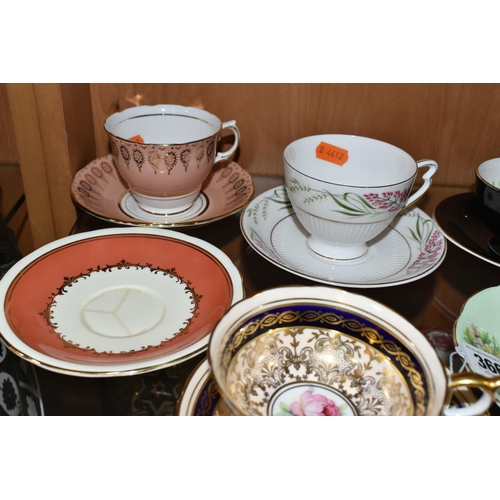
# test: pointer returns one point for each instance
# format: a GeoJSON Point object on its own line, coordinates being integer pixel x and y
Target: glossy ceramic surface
{"type": "Point", "coordinates": [19, 389]}
{"type": "Point", "coordinates": [458, 220]}
{"type": "Point", "coordinates": [294, 351]}
{"type": "Point", "coordinates": [200, 396]}
{"type": "Point", "coordinates": [409, 249]}
{"type": "Point", "coordinates": [165, 152]}
{"type": "Point", "coordinates": [489, 172]}
{"type": "Point", "coordinates": [99, 190]}
{"type": "Point", "coordinates": [487, 193]}
{"type": "Point", "coordinates": [116, 301]}
{"type": "Point", "coordinates": [344, 204]}
{"type": "Point", "coordinates": [478, 322]}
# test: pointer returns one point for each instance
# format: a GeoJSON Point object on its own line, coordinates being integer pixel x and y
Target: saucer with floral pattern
{"type": "Point", "coordinates": [409, 249]}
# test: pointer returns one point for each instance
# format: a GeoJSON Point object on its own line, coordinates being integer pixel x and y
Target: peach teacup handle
{"type": "Point", "coordinates": [224, 155]}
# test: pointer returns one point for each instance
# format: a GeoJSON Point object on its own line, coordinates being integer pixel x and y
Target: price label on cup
{"type": "Point", "coordinates": [480, 361]}
{"type": "Point", "coordinates": [333, 154]}
{"type": "Point", "coordinates": [137, 138]}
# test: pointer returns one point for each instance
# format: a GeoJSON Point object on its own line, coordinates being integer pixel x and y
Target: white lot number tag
{"type": "Point", "coordinates": [480, 361]}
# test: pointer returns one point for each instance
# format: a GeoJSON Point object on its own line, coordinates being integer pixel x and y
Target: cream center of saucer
{"type": "Point", "coordinates": [122, 309]}
{"type": "Point", "coordinates": [123, 312]}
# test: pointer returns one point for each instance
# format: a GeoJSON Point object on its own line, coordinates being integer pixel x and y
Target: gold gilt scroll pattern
{"type": "Point", "coordinates": [330, 319]}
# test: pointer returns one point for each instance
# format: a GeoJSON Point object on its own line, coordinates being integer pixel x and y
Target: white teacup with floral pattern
{"type": "Point", "coordinates": [346, 190]}
{"type": "Point", "coordinates": [165, 153]}
{"type": "Point", "coordinates": [322, 351]}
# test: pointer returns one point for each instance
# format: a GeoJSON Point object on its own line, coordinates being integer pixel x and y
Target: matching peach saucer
{"type": "Point", "coordinates": [99, 190]}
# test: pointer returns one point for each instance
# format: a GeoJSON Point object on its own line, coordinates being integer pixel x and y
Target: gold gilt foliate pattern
{"type": "Point", "coordinates": [208, 397]}
{"type": "Point", "coordinates": [169, 157]}
{"type": "Point", "coordinates": [358, 367]}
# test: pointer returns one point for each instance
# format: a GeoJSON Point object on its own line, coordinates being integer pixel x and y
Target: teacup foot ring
{"type": "Point", "coordinates": [326, 251]}
{"type": "Point", "coordinates": [128, 204]}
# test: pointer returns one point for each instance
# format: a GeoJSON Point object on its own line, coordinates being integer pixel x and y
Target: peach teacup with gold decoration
{"type": "Point", "coordinates": [165, 152]}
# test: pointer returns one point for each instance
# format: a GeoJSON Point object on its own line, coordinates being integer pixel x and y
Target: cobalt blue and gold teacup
{"type": "Point", "coordinates": [322, 351]}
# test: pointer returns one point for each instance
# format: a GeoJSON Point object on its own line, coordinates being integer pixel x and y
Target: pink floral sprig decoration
{"type": "Point", "coordinates": [430, 254]}
{"type": "Point", "coordinates": [388, 201]}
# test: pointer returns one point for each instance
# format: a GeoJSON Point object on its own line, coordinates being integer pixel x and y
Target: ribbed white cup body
{"type": "Point", "coordinates": [343, 207]}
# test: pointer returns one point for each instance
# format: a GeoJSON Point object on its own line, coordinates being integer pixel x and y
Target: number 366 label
{"type": "Point", "coordinates": [480, 361]}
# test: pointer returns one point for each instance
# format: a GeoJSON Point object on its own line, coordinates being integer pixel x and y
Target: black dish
{"type": "Point", "coordinates": [458, 220]}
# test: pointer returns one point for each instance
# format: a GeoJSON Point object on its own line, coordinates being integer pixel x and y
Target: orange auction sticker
{"type": "Point", "coordinates": [330, 153]}
{"type": "Point", "coordinates": [137, 138]}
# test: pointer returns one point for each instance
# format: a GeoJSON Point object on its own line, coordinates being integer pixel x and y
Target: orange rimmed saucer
{"type": "Point", "coordinates": [99, 190]}
{"type": "Point", "coordinates": [116, 301]}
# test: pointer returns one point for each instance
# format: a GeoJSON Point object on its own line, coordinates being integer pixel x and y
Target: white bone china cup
{"type": "Point", "coordinates": [345, 190]}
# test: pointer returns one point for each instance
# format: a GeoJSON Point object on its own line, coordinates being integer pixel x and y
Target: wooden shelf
{"type": "Point", "coordinates": [58, 128]}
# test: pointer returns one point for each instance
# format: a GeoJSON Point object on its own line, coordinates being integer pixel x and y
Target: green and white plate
{"type": "Point", "coordinates": [477, 326]}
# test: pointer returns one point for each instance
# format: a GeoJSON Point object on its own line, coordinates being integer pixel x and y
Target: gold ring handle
{"type": "Point", "coordinates": [472, 380]}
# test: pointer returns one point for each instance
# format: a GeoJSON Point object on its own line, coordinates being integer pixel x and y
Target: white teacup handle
{"type": "Point", "coordinates": [488, 386]}
{"type": "Point", "coordinates": [427, 178]}
{"type": "Point", "coordinates": [224, 155]}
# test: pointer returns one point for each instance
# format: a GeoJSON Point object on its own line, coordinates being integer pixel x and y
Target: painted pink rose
{"type": "Point", "coordinates": [310, 404]}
